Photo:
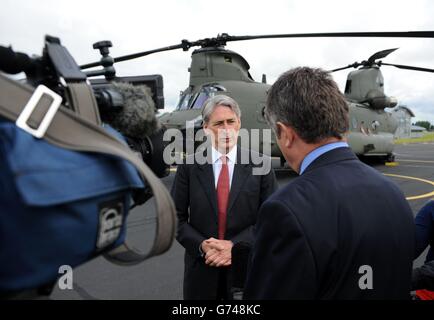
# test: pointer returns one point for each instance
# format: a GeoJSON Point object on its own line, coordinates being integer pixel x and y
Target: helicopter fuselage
{"type": "Point", "coordinates": [220, 71]}
{"type": "Point", "coordinates": [371, 131]}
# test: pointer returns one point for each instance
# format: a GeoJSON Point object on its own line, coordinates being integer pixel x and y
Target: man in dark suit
{"type": "Point", "coordinates": [340, 230]}
{"type": "Point", "coordinates": [217, 202]}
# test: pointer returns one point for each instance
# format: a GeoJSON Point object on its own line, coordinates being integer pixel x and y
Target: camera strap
{"type": "Point", "coordinates": [40, 112]}
{"type": "Point", "coordinates": [82, 98]}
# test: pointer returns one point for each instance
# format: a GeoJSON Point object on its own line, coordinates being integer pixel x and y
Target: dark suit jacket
{"type": "Point", "coordinates": [314, 234]}
{"type": "Point", "coordinates": [195, 199]}
{"type": "Point", "coordinates": [424, 222]}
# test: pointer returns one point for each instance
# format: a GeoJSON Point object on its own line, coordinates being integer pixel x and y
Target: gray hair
{"type": "Point", "coordinates": [219, 100]}
{"type": "Point", "coordinates": [308, 100]}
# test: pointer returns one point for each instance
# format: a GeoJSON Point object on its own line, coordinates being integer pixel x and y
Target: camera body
{"type": "Point", "coordinates": [111, 99]}
{"type": "Point", "coordinates": [81, 178]}
{"type": "Point", "coordinates": [56, 68]}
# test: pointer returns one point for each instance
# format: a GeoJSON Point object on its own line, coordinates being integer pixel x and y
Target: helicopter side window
{"type": "Point", "coordinates": [348, 87]}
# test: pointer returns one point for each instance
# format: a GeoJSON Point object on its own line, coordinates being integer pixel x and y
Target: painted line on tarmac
{"type": "Point", "coordinates": [421, 161]}
{"type": "Point", "coordinates": [415, 166]}
{"type": "Point", "coordinates": [422, 196]}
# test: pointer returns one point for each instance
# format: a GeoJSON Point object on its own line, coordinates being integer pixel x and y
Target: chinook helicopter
{"type": "Point", "coordinates": [217, 70]}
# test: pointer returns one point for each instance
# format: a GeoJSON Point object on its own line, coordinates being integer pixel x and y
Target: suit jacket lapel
{"type": "Point", "coordinates": [241, 172]}
{"type": "Point", "coordinates": [206, 178]}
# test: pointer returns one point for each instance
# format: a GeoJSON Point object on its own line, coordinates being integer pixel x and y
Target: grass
{"type": "Point", "coordinates": [429, 137]}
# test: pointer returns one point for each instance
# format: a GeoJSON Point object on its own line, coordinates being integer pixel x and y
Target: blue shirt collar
{"type": "Point", "coordinates": [316, 153]}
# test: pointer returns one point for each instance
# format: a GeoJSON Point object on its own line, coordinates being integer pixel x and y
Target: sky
{"type": "Point", "coordinates": [135, 26]}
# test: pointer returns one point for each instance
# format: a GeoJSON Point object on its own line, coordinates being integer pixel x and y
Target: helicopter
{"type": "Point", "coordinates": [217, 70]}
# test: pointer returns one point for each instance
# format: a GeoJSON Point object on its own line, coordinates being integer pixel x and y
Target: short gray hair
{"type": "Point", "coordinates": [308, 100]}
{"type": "Point", "coordinates": [219, 100]}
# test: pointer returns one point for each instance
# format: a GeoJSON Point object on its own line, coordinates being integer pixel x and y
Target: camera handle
{"type": "Point", "coordinates": [74, 81]}
{"type": "Point", "coordinates": [106, 61]}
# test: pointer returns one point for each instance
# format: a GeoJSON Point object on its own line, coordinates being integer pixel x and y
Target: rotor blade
{"type": "Point", "coordinates": [380, 55]}
{"type": "Point", "coordinates": [354, 65]}
{"type": "Point", "coordinates": [139, 54]}
{"type": "Point", "coordinates": [223, 38]}
{"type": "Point", "coordinates": [339, 69]}
{"type": "Point", "coordinates": [407, 67]}
{"type": "Point", "coordinates": [392, 34]}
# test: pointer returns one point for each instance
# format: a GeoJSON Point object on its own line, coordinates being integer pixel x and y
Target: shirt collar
{"type": "Point", "coordinates": [316, 153]}
{"type": "Point", "coordinates": [232, 155]}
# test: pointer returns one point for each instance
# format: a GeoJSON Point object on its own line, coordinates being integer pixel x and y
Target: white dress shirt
{"type": "Point", "coordinates": [217, 163]}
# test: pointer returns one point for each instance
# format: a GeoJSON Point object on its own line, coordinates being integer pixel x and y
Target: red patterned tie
{"type": "Point", "coordinates": [223, 197]}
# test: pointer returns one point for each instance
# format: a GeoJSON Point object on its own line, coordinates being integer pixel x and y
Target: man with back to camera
{"type": "Point", "coordinates": [217, 203]}
{"type": "Point", "coordinates": [341, 230]}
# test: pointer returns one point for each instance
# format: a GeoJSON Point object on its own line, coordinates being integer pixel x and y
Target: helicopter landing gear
{"type": "Point", "coordinates": [390, 158]}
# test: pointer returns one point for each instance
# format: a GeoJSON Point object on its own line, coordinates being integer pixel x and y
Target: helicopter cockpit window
{"type": "Point", "coordinates": [184, 101]}
{"type": "Point", "coordinates": [205, 93]}
{"type": "Point", "coordinates": [201, 98]}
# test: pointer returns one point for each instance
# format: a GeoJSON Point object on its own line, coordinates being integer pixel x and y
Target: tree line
{"type": "Point", "coordinates": [425, 124]}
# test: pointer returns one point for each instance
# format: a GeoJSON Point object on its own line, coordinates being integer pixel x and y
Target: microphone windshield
{"type": "Point", "coordinates": [137, 118]}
